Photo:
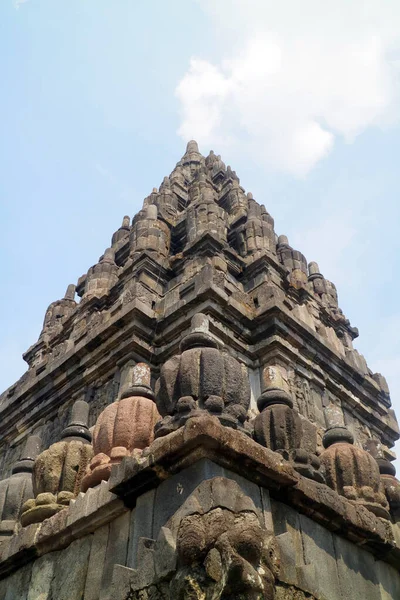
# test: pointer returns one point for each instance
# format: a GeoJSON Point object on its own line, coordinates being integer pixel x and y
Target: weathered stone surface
{"type": "Point", "coordinates": [17, 585]}
{"type": "Point", "coordinates": [70, 570]}
{"type": "Point", "coordinates": [279, 427]}
{"type": "Point", "coordinates": [202, 378]}
{"type": "Point", "coordinates": [98, 551]}
{"type": "Point", "coordinates": [125, 426]}
{"type": "Point", "coordinates": [58, 471]}
{"type": "Point", "coordinates": [17, 489]}
{"type": "Point", "coordinates": [353, 472]}
{"type": "Point", "coordinates": [117, 550]}
{"type": "Point", "coordinates": [42, 576]}
{"type": "Point", "coordinates": [201, 246]}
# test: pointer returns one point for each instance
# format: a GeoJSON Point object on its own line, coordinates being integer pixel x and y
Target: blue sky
{"type": "Point", "coordinates": [99, 98]}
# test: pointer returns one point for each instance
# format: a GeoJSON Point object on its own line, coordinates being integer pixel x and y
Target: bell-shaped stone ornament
{"type": "Point", "coordinates": [124, 427]}
{"type": "Point", "coordinates": [17, 489]}
{"type": "Point", "coordinates": [352, 472]}
{"type": "Point", "coordinates": [391, 485]}
{"type": "Point", "coordinates": [280, 428]}
{"type": "Point", "coordinates": [58, 471]}
{"type": "Point", "coordinates": [202, 378]}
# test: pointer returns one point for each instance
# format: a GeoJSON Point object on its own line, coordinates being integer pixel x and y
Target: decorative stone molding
{"type": "Point", "coordinates": [202, 378]}
{"type": "Point", "coordinates": [125, 426]}
{"type": "Point", "coordinates": [352, 472]}
{"type": "Point", "coordinates": [58, 471]}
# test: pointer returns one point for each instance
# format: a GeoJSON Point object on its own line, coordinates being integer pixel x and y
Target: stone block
{"type": "Point", "coordinates": [17, 585]}
{"type": "Point", "coordinates": [389, 580]}
{"type": "Point", "coordinates": [142, 524]}
{"type": "Point", "coordinates": [165, 554]}
{"type": "Point", "coordinates": [322, 577]}
{"type": "Point", "coordinates": [96, 563]}
{"type": "Point", "coordinates": [70, 571]}
{"type": "Point", "coordinates": [42, 575]}
{"type": "Point", "coordinates": [117, 550]}
{"type": "Point", "coordinates": [358, 578]}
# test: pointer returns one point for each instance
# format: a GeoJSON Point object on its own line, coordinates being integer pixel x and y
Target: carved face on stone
{"type": "Point", "coordinates": [224, 552]}
{"type": "Point", "coordinates": [223, 555]}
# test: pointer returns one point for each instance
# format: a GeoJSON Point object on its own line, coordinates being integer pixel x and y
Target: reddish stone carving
{"type": "Point", "coordinates": [123, 427]}
{"type": "Point", "coordinates": [352, 471]}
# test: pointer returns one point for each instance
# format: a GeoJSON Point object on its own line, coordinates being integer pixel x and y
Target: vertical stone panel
{"type": "Point", "coordinates": [357, 572]}
{"type": "Point", "coordinates": [42, 575]}
{"type": "Point", "coordinates": [70, 571]}
{"type": "Point", "coordinates": [96, 563]}
{"type": "Point", "coordinates": [142, 524]}
{"type": "Point", "coordinates": [116, 553]}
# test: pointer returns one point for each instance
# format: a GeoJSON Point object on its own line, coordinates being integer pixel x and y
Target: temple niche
{"type": "Point", "coordinates": [195, 422]}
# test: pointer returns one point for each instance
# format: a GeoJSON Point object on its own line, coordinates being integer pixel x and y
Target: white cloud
{"type": "Point", "coordinates": [298, 75]}
{"type": "Point", "coordinates": [17, 3]}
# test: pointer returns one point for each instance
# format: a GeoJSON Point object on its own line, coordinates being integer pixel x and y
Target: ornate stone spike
{"type": "Point", "coordinates": [70, 292]}
{"type": "Point", "coordinates": [294, 261]}
{"type": "Point", "coordinates": [201, 378]}
{"type": "Point", "coordinates": [58, 471]}
{"type": "Point", "coordinates": [280, 428]}
{"type": "Point", "coordinates": [352, 472]}
{"type": "Point", "coordinates": [17, 489]}
{"type": "Point", "coordinates": [57, 313]}
{"type": "Point", "coordinates": [124, 427]}
{"type": "Point", "coordinates": [203, 214]}
{"type": "Point", "coordinates": [149, 233]}
{"type": "Point", "coordinates": [122, 232]}
{"type": "Point", "coordinates": [102, 276]}
{"type": "Point", "coordinates": [391, 485]}
{"type": "Point", "coordinates": [317, 280]}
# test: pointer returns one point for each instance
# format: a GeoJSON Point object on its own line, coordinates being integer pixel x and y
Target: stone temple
{"type": "Point", "coordinates": [195, 422]}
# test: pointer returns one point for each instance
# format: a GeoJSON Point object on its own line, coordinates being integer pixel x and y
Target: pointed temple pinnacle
{"type": "Point", "coordinates": [70, 293]}
{"type": "Point", "coordinates": [192, 146]}
{"type": "Point", "coordinates": [126, 222]}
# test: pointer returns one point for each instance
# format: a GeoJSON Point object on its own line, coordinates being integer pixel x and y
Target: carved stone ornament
{"type": "Point", "coordinates": [214, 547]}
{"type": "Point", "coordinates": [202, 377]}
{"type": "Point", "coordinates": [125, 426]}
{"type": "Point", "coordinates": [280, 428]}
{"type": "Point", "coordinates": [15, 490]}
{"type": "Point", "coordinates": [391, 485]}
{"type": "Point", "coordinates": [352, 472]}
{"type": "Point", "coordinates": [58, 471]}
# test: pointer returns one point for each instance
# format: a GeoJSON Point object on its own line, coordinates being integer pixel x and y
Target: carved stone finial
{"type": "Point", "coordinates": [122, 232]}
{"type": "Point", "coordinates": [280, 428]}
{"type": "Point", "coordinates": [391, 485]}
{"type": "Point", "coordinates": [201, 378]}
{"type": "Point", "coordinates": [77, 428]}
{"type": "Point", "coordinates": [192, 146]}
{"type": "Point", "coordinates": [17, 489]}
{"type": "Point", "coordinates": [283, 240]}
{"type": "Point", "coordinates": [352, 472]}
{"type": "Point", "coordinates": [70, 292]}
{"type": "Point", "coordinates": [124, 427]}
{"type": "Point", "coordinates": [28, 455]}
{"type": "Point", "coordinates": [199, 335]}
{"type": "Point", "coordinates": [149, 233]}
{"type": "Point", "coordinates": [58, 471]}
